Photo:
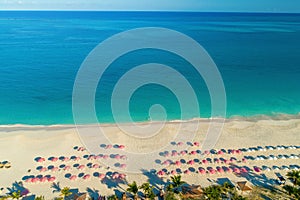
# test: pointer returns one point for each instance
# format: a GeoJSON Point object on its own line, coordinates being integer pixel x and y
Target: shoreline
{"type": "Point", "coordinates": [254, 118]}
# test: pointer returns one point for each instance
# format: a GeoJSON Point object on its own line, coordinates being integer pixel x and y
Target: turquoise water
{"type": "Point", "coordinates": [41, 52]}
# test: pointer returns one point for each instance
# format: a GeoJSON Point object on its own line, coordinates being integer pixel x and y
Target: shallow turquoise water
{"type": "Point", "coordinates": [41, 52]}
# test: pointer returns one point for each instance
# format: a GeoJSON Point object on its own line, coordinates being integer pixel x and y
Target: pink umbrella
{"type": "Point", "coordinates": [101, 176]}
{"type": "Point", "coordinates": [29, 180]}
{"type": "Point", "coordinates": [238, 151]}
{"type": "Point", "coordinates": [177, 163]}
{"type": "Point", "coordinates": [122, 176]}
{"type": "Point", "coordinates": [44, 179]}
{"type": "Point", "coordinates": [216, 160]}
{"type": "Point", "coordinates": [173, 172]}
{"type": "Point", "coordinates": [161, 173]}
{"type": "Point", "coordinates": [206, 152]}
{"type": "Point", "coordinates": [121, 146]}
{"type": "Point", "coordinates": [95, 166]}
{"type": "Point", "coordinates": [87, 176]}
{"type": "Point", "coordinates": [43, 169]}
{"type": "Point", "coordinates": [220, 170]}
{"type": "Point", "coordinates": [117, 156]}
{"type": "Point", "coordinates": [105, 156]}
{"type": "Point", "coordinates": [73, 177]}
{"type": "Point", "coordinates": [187, 171]}
{"type": "Point", "coordinates": [55, 169]}
{"type": "Point", "coordinates": [51, 179]}
{"type": "Point", "coordinates": [180, 143]}
{"type": "Point", "coordinates": [204, 161]}
{"type": "Point", "coordinates": [54, 159]}
{"type": "Point", "coordinates": [81, 167]}
{"type": "Point", "coordinates": [191, 162]}
{"type": "Point", "coordinates": [115, 176]}
{"type": "Point", "coordinates": [123, 157]}
{"type": "Point", "coordinates": [92, 157]}
{"type": "Point", "coordinates": [236, 170]}
{"type": "Point", "coordinates": [166, 162]}
{"type": "Point", "coordinates": [66, 159]}
{"type": "Point", "coordinates": [66, 168]}
{"type": "Point", "coordinates": [244, 160]}
{"type": "Point", "coordinates": [35, 180]}
{"type": "Point", "coordinates": [41, 160]}
{"type": "Point", "coordinates": [81, 149]}
{"type": "Point", "coordinates": [196, 144]}
{"type": "Point", "coordinates": [220, 152]}
{"type": "Point", "coordinates": [174, 153]}
{"type": "Point", "coordinates": [77, 158]}
{"type": "Point", "coordinates": [193, 153]}
{"type": "Point", "coordinates": [123, 166]}
{"type": "Point", "coordinates": [167, 154]}
{"type": "Point", "coordinates": [201, 171]}
{"type": "Point", "coordinates": [227, 161]}
{"type": "Point", "coordinates": [212, 171]}
{"type": "Point", "coordinates": [109, 146]}
{"type": "Point", "coordinates": [183, 152]}
{"type": "Point", "coordinates": [244, 170]}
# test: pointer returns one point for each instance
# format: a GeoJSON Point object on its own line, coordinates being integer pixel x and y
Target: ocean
{"type": "Point", "coordinates": [258, 56]}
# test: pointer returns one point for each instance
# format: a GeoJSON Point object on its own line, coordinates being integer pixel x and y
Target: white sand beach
{"type": "Point", "coordinates": [22, 145]}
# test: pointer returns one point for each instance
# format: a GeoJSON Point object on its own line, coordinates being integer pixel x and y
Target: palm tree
{"type": "Point", "coordinates": [294, 176]}
{"type": "Point", "coordinates": [176, 184]}
{"type": "Point", "coordinates": [133, 188]}
{"type": "Point", "coordinates": [213, 192]}
{"type": "Point", "coordinates": [148, 190]}
{"type": "Point", "coordinates": [40, 198]}
{"type": "Point", "coordinates": [65, 192]}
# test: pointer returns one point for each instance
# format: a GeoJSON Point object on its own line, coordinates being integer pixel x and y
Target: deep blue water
{"type": "Point", "coordinates": [258, 56]}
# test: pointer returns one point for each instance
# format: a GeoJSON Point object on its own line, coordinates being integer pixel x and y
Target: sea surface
{"type": "Point", "coordinates": [258, 56]}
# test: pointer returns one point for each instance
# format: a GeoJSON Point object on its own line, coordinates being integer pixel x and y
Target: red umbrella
{"type": "Point", "coordinates": [121, 146]}
{"type": "Point", "coordinates": [244, 170]}
{"type": "Point", "coordinates": [212, 171]}
{"type": "Point", "coordinates": [87, 176]}
{"type": "Point", "coordinates": [177, 163]}
{"type": "Point", "coordinates": [220, 152]}
{"type": "Point", "coordinates": [204, 161]}
{"type": "Point", "coordinates": [73, 177]}
{"type": "Point", "coordinates": [244, 160]}
{"type": "Point", "coordinates": [191, 162]}
{"type": "Point", "coordinates": [101, 176]}
{"type": "Point", "coordinates": [202, 171]}
{"type": "Point", "coordinates": [187, 171]}
{"type": "Point", "coordinates": [161, 173]}
{"type": "Point", "coordinates": [257, 169]}
{"type": "Point", "coordinates": [236, 170]}
{"type": "Point", "coordinates": [193, 153]}
{"type": "Point", "coordinates": [220, 170]}
{"type": "Point", "coordinates": [196, 144]}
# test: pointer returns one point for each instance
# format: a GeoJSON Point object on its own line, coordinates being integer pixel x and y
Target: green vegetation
{"type": "Point", "coordinates": [148, 190]}
{"type": "Point", "coordinates": [133, 189]}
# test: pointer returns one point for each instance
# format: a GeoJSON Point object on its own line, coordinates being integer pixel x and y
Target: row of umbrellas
{"type": "Point", "coordinates": [101, 176]}
{"type": "Point", "coordinates": [273, 157]}
{"type": "Point", "coordinates": [77, 158]}
{"type": "Point", "coordinates": [40, 179]}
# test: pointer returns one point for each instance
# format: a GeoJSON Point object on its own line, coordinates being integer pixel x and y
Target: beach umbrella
{"type": "Point", "coordinates": [257, 169]}
{"type": "Point", "coordinates": [123, 166]}
{"type": "Point", "coordinates": [187, 171]}
{"type": "Point", "coordinates": [174, 153]}
{"type": "Point", "coordinates": [41, 160]}
{"type": "Point", "coordinates": [118, 157]}
{"type": "Point", "coordinates": [51, 179]}
{"type": "Point", "coordinates": [166, 162]}
{"type": "Point", "coordinates": [244, 160]}
{"type": "Point", "coordinates": [193, 152]}
{"type": "Point", "coordinates": [173, 172]}
{"type": "Point", "coordinates": [66, 168]}
{"type": "Point", "coordinates": [81, 167]}
{"type": "Point", "coordinates": [87, 176]}
{"type": "Point", "coordinates": [220, 170]}
{"type": "Point", "coordinates": [66, 159]}
{"type": "Point", "coordinates": [28, 180]}
{"type": "Point", "coordinates": [43, 179]}
{"type": "Point", "coordinates": [95, 166]}
{"type": "Point", "coordinates": [179, 143]}
{"type": "Point", "coordinates": [55, 169]}
{"type": "Point", "coordinates": [238, 151]}
{"type": "Point", "coordinates": [54, 159]}
{"type": "Point", "coordinates": [160, 173]}
{"type": "Point", "coordinates": [122, 176]}
{"type": "Point", "coordinates": [123, 157]}
{"type": "Point", "coordinates": [216, 160]}
{"type": "Point", "coordinates": [202, 171]}
{"type": "Point", "coordinates": [77, 158]}
{"type": "Point", "coordinates": [115, 176]}
{"type": "Point", "coordinates": [204, 161]}
{"type": "Point", "coordinates": [191, 162]}
{"type": "Point", "coordinates": [220, 152]}
{"type": "Point", "coordinates": [227, 161]}
{"type": "Point", "coordinates": [166, 154]}
{"type": "Point", "coordinates": [109, 146]}
{"type": "Point", "coordinates": [177, 163]}
{"type": "Point", "coordinates": [244, 170]}
{"type": "Point", "coordinates": [212, 171]}
{"type": "Point", "coordinates": [183, 152]}
{"type": "Point", "coordinates": [196, 144]}
{"type": "Point", "coordinates": [43, 169]}
{"type": "Point", "coordinates": [236, 170]}
{"type": "Point", "coordinates": [101, 176]}
{"type": "Point", "coordinates": [206, 152]}
{"type": "Point", "coordinates": [121, 146]}
{"type": "Point", "coordinates": [105, 156]}
{"type": "Point", "coordinates": [73, 177]}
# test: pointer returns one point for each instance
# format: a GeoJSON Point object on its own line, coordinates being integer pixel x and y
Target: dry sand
{"type": "Point", "coordinates": [20, 145]}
